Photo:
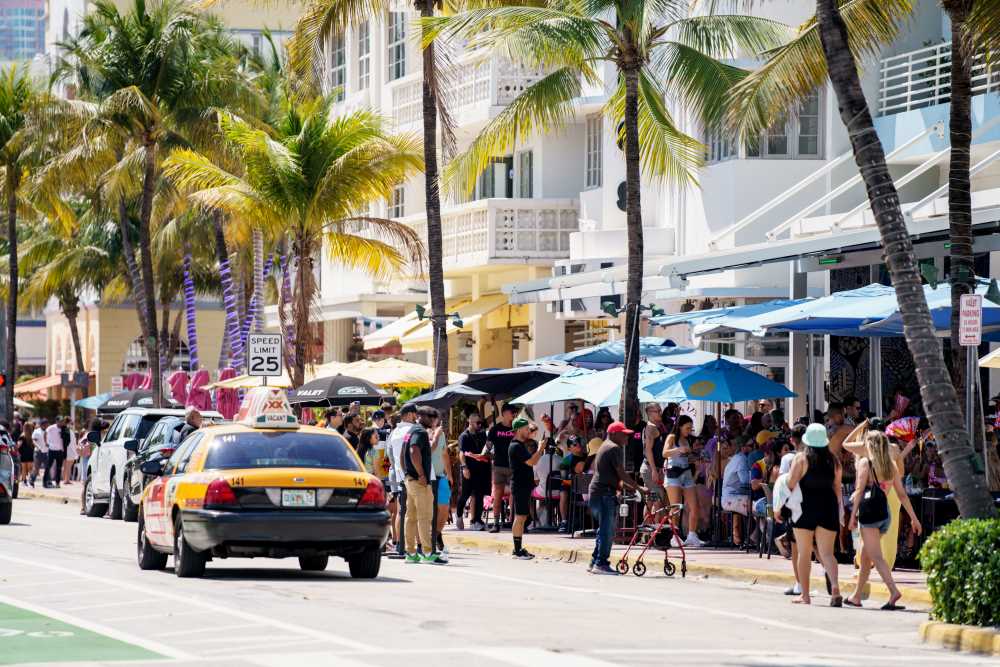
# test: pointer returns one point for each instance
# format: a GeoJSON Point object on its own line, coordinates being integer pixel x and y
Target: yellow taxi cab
{"type": "Point", "coordinates": [262, 486]}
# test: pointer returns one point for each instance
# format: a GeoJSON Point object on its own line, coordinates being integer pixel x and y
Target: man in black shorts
{"type": "Point", "coordinates": [497, 443]}
{"type": "Point", "coordinates": [522, 463]}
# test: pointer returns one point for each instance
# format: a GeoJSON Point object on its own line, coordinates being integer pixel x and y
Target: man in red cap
{"type": "Point", "coordinates": [609, 473]}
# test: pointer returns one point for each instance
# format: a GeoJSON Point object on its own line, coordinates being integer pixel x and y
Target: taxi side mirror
{"type": "Point", "coordinates": [131, 446]}
{"type": "Point", "coordinates": [153, 468]}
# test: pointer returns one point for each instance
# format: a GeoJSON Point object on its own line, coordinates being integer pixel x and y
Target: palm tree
{"type": "Point", "coordinates": [940, 400]}
{"type": "Point", "coordinates": [64, 261]}
{"type": "Point", "coordinates": [320, 20]}
{"type": "Point", "coordinates": [19, 99]}
{"type": "Point", "coordinates": [305, 181]}
{"type": "Point", "coordinates": [655, 46]}
{"type": "Point", "coordinates": [153, 71]}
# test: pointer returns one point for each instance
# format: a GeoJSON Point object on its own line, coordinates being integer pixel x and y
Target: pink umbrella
{"type": "Point", "coordinates": [197, 395]}
{"type": "Point", "coordinates": [227, 401]}
{"type": "Point", "coordinates": [133, 381]}
{"type": "Point", "coordinates": [178, 382]}
{"type": "Point", "coordinates": [146, 381]}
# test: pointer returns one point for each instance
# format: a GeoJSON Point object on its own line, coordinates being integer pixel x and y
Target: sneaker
{"type": "Point", "coordinates": [460, 522]}
{"type": "Point", "coordinates": [433, 558]}
{"type": "Point", "coordinates": [495, 529]}
{"type": "Point", "coordinates": [563, 527]}
{"type": "Point", "coordinates": [412, 558]}
{"type": "Point", "coordinates": [590, 568]}
{"type": "Point", "coordinates": [605, 570]}
{"type": "Point", "coordinates": [693, 540]}
{"type": "Point", "coordinates": [479, 525]}
{"type": "Point", "coordinates": [523, 554]}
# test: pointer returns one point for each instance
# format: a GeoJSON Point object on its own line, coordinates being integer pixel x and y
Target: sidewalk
{"type": "Point", "coordinates": [702, 562]}
{"type": "Point", "coordinates": [67, 493]}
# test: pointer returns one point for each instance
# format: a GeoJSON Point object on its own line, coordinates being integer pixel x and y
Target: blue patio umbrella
{"type": "Point", "coordinates": [566, 387]}
{"type": "Point", "coordinates": [604, 389]}
{"type": "Point", "coordinates": [92, 402]}
{"type": "Point", "coordinates": [939, 303]}
{"type": "Point", "coordinates": [734, 319]}
{"type": "Point", "coordinates": [660, 350]}
{"type": "Point", "coordinates": [720, 381]}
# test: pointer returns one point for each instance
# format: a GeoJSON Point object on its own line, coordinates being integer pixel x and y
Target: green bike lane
{"type": "Point", "coordinates": [30, 636]}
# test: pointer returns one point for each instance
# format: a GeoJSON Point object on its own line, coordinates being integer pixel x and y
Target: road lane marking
{"type": "Point", "coordinates": [249, 648]}
{"type": "Point", "coordinates": [105, 605]}
{"type": "Point", "coordinates": [128, 638]}
{"type": "Point", "coordinates": [34, 584]}
{"type": "Point", "coordinates": [160, 616]}
{"type": "Point", "coordinates": [531, 657]}
{"type": "Point", "coordinates": [928, 655]}
{"type": "Point", "coordinates": [225, 610]}
{"type": "Point", "coordinates": [217, 628]}
{"type": "Point", "coordinates": [659, 601]}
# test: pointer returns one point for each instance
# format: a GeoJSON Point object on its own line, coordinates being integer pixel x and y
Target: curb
{"type": "Point", "coordinates": [913, 596]}
{"type": "Point", "coordinates": [28, 494]}
{"type": "Point", "coordinates": [967, 638]}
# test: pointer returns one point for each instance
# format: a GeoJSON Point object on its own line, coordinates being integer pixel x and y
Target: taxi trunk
{"type": "Point", "coordinates": [280, 512]}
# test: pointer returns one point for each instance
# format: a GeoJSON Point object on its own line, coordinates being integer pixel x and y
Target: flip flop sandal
{"type": "Point", "coordinates": [851, 603]}
{"type": "Point", "coordinates": [888, 606]}
{"type": "Point", "coordinates": [837, 601]}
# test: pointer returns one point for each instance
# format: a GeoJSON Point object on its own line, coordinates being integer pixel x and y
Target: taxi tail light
{"type": "Point", "coordinates": [219, 493]}
{"type": "Point", "coordinates": [166, 452]}
{"type": "Point", "coordinates": [374, 495]}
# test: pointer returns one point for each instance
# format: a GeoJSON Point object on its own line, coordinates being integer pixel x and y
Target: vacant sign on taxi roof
{"type": "Point", "coordinates": [264, 356]}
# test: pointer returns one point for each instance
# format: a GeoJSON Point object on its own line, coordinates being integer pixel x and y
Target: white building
{"type": "Point", "coordinates": [791, 217]}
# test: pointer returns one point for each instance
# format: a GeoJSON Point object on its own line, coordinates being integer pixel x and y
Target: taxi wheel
{"type": "Point", "coordinates": [6, 512]}
{"type": "Point", "coordinates": [366, 564]}
{"type": "Point", "coordinates": [187, 561]}
{"type": "Point", "coordinates": [130, 511]}
{"type": "Point", "coordinates": [313, 563]}
{"type": "Point", "coordinates": [148, 557]}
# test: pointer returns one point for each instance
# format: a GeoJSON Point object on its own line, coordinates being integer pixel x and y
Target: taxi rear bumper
{"type": "Point", "coordinates": [284, 532]}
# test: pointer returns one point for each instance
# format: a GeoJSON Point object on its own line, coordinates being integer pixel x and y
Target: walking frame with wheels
{"type": "Point", "coordinates": [657, 533]}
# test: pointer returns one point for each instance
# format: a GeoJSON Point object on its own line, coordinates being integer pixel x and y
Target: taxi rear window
{"type": "Point", "coordinates": [266, 449]}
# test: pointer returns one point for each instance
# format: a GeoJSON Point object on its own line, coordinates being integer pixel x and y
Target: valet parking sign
{"type": "Point", "coordinates": [264, 358]}
{"type": "Point", "coordinates": [970, 316]}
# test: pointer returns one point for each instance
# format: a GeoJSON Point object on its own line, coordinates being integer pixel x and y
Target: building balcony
{"type": "Point", "coordinates": [922, 78]}
{"type": "Point", "coordinates": [476, 84]}
{"type": "Point", "coordinates": [503, 231]}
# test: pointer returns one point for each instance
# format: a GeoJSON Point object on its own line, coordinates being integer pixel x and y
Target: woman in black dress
{"type": "Point", "coordinates": [818, 473]}
{"type": "Point", "coordinates": [26, 449]}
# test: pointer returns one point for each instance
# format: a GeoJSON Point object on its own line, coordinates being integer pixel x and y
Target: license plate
{"type": "Point", "coordinates": [298, 498]}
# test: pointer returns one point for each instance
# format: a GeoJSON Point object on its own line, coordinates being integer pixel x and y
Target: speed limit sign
{"type": "Point", "coordinates": [264, 354]}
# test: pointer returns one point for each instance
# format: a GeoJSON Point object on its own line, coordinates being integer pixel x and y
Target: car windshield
{"type": "Point", "coordinates": [289, 449]}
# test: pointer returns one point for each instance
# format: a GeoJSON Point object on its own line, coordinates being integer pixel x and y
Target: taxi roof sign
{"type": "Point", "coordinates": [266, 407]}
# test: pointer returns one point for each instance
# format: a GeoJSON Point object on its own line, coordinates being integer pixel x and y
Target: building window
{"type": "Point", "coordinates": [796, 136]}
{"type": "Point", "coordinates": [396, 45]}
{"type": "Point", "coordinates": [338, 66]}
{"type": "Point", "coordinates": [364, 56]}
{"type": "Point", "coordinates": [397, 203]}
{"type": "Point", "coordinates": [592, 176]}
{"type": "Point", "coordinates": [525, 176]}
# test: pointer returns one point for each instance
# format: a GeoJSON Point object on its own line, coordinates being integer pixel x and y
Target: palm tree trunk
{"type": "Point", "coordinates": [257, 301]}
{"type": "Point", "coordinates": [189, 309]}
{"type": "Point", "coordinates": [228, 296]}
{"type": "Point", "coordinates": [285, 319]}
{"type": "Point", "coordinates": [133, 276]}
{"type": "Point", "coordinates": [10, 363]}
{"type": "Point", "coordinates": [435, 262]}
{"type": "Point", "coordinates": [166, 353]}
{"type": "Point", "coordinates": [69, 304]}
{"type": "Point", "coordinates": [146, 266]}
{"type": "Point", "coordinates": [936, 389]}
{"type": "Point", "coordinates": [175, 338]}
{"type": "Point", "coordinates": [302, 299]}
{"type": "Point", "coordinates": [959, 186]}
{"type": "Point", "coordinates": [629, 408]}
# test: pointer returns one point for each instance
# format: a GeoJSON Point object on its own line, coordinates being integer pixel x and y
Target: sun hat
{"type": "Point", "coordinates": [815, 436]}
{"type": "Point", "coordinates": [593, 446]}
{"type": "Point", "coordinates": [764, 436]}
{"type": "Point", "coordinates": [520, 422]}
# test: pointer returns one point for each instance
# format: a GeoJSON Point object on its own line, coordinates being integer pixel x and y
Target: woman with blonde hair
{"type": "Point", "coordinates": [876, 474]}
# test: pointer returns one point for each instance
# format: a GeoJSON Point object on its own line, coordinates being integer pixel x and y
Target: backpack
{"type": "Point", "coordinates": [874, 506]}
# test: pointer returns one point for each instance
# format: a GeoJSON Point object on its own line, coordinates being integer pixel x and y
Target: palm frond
{"type": "Point", "coordinates": [795, 70]}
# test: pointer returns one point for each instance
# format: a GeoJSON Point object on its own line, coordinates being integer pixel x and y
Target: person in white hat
{"type": "Point", "coordinates": [818, 472]}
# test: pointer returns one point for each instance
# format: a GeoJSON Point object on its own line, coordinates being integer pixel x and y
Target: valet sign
{"type": "Point", "coordinates": [264, 356]}
{"type": "Point", "coordinates": [970, 323]}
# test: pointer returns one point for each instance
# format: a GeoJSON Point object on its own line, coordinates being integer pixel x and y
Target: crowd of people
{"type": "Point", "coordinates": [55, 451]}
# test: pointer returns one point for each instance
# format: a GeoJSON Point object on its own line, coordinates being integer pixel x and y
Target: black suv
{"type": "Point", "coordinates": [159, 444]}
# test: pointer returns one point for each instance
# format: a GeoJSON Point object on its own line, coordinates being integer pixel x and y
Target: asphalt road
{"type": "Point", "coordinates": [71, 593]}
